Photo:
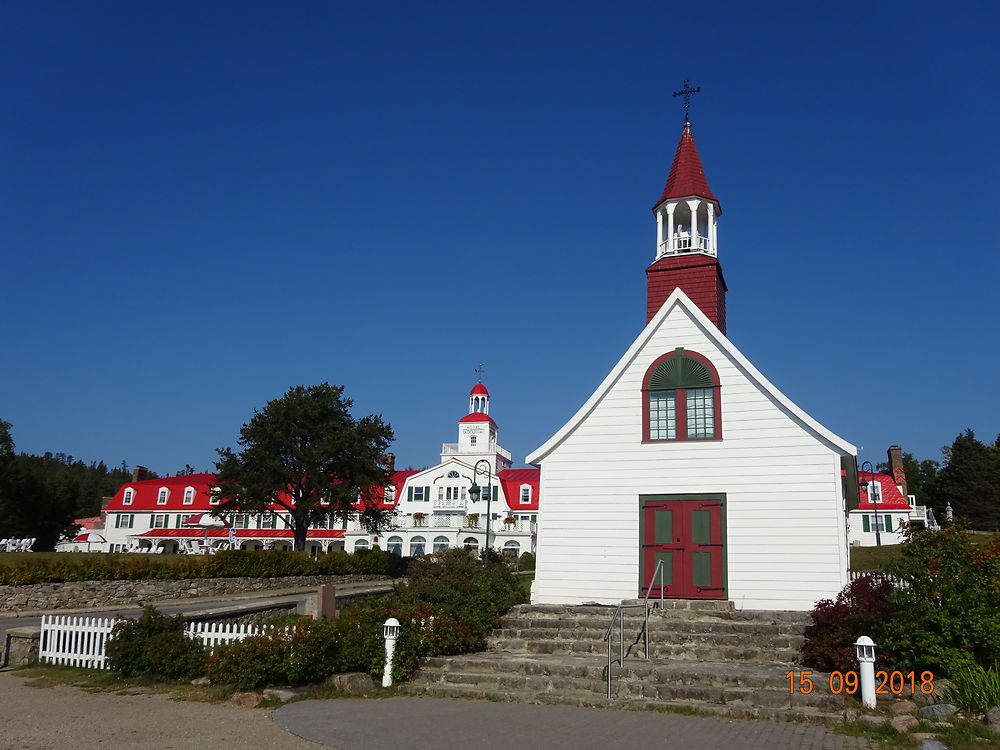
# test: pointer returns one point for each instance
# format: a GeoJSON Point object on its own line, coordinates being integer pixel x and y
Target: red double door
{"type": "Point", "coordinates": [688, 536]}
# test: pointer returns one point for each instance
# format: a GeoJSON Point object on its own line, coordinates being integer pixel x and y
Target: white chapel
{"type": "Point", "coordinates": [687, 471]}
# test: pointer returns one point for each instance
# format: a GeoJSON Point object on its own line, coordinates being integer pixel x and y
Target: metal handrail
{"type": "Point", "coordinates": [619, 616]}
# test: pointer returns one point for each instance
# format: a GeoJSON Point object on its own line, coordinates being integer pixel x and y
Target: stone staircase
{"type": "Point", "coordinates": [704, 655]}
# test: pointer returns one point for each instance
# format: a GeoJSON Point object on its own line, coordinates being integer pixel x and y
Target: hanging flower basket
{"type": "Point", "coordinates": [472, 519]}
{"type": "Point", "coordinates": [509, 521]}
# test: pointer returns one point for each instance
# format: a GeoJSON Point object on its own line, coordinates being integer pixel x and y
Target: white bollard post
{"type": "Point", "coordinates": [391, 632]}
{"type": "Point", "coordinates": [865, 648]}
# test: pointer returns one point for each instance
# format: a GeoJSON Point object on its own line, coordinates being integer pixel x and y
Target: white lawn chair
{"type": "Point", "coordinates": [3, 545]}
{"type": "Point", "coordinates": [27, 544]}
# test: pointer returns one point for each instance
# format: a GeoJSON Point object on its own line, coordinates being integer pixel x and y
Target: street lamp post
{"type": "Point", "coordinates": [483, 467]}
{"type": "Point", "coordinates": [871, 495]}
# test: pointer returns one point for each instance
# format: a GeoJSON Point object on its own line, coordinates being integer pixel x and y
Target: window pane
{"type": "Point", "coordinates": [700, 413]}
{"type": "Point", "coordinates": [662, 415]}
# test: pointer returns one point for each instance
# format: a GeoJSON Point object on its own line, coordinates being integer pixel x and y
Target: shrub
{"type": "Point", "coordinates": [298, 654]}
{"type": "Point", "coordinates": [425, 631]}
{"type": "Point", "coordinates": [227, 564]}
{"type": "Point", "coordinates": [860, 609]}
{"type": "Point", "coordinates": [251, 663]}
{"type": "Point", "coordinates": [526, 561]}
{"type": "Point", "coordinates": [463, 588]}
{"type": "Point", "coordinates": [946, 610]}
{"type": "Point", "coordinates": [154, 644]}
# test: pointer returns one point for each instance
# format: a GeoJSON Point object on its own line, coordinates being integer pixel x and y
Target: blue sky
{"type": "Point", "coordinates": [203, 204]}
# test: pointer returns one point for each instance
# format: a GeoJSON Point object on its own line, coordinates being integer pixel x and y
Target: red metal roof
{"type": "Point", "coordinates": [479, 390]}
{"type": "Point", "coordinates": [512, 479]}
{"type": "Point", "coordinates": [147, 491]}
{"type": "Point", "coordinates": [892, 498]}
{"type": "Point", "coordinates": [478, 417]}
{"type": "Point", "coordinates": [686, 178]}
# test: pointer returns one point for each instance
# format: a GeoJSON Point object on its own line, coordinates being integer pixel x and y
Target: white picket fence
{"type": "Point", "coordinates": [74, 641]}
{"type": "Point", "coordinates": [856, 574]}
{"type": "Point", "coordinates": [214, 634]}
{"type": "Point", "coordinates": [79, 641]}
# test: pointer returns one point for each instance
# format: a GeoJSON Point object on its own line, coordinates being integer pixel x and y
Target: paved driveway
{"type": "Point", "coordinates": [394, 723]}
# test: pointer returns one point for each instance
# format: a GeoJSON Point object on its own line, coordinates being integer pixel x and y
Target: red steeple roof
{"type": "Point", "coordinates": [479, 390]}
{"type": "Point", "coordinates": [687, 178]}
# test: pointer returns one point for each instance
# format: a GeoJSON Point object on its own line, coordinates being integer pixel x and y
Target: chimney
{"type": "Point", "coordinates": [389, 462]}
{"type": "Point", "coordinates": [139, 473]}
{"type": "Point", "coordinates": [895, 454]}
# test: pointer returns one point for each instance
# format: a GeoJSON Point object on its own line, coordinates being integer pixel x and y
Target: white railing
{"type": "Point", "coordinates": [448, 449]}
{"type": "Point", "coordinates": [683, 245]}
{"type": "Point", "coordinates": [446, 504]}
{"type": "Point", "coordinates": [80, 641]}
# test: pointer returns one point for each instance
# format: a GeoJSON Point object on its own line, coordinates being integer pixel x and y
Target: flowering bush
{"type": "Point", "coordinates": [860, 609]}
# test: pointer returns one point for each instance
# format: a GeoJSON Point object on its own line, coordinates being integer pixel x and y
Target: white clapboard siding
{"type": "Point", "coordinates": [779, 471]}
{"type": "Point", "coordinates": [80, 641]}
{"type": "Point", "coordinates": [74, 641]}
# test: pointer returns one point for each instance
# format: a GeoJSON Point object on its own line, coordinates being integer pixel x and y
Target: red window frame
{"type": "Point", "coordinates": [680, 400]}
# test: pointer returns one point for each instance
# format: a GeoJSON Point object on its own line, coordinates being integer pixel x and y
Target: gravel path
{"type": "Point", "coordinates": [67, 718]}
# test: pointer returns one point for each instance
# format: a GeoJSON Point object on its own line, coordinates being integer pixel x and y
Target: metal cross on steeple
{"type": "Point", "coordinates": [686, 93]}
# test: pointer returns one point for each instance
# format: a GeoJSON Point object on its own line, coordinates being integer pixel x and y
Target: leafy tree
{"type": "Point", "coordinates": [970, 481]}
{"type": "Point", "coordinates": [41, 495]}
{"type": "Point", "coordinates": [305, 453]}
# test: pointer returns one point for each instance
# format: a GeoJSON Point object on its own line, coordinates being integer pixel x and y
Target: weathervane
{"type": "Point", "coordinates": [686, 93]}
{"type": "Point", "coordinates": [479, 371]}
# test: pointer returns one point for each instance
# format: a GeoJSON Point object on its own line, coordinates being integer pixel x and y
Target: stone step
{"type": "Point", "coordinates": [594, 616]}
{"type": "Point", "coordinates": [679, 672]}
{"type": "Point", "coordinates": [734, 649]}
{"type": "Point", "coordinates": [638, 689]}
{"type": "Point", "coordinates": [687, 631]}
{"type": "Point", "coordinates": [592, 699]}
{"type": "Point", "coordinates": [656, 626]}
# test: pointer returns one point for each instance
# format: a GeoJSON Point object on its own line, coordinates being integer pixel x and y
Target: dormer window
{"type": "Point", "coordinates": [189, 495]}
{"type": "Point", "coordinates": [129, 495]}
{"type": "Point", "coordinates": [161, 498]}
{"type": "Point", "coordinates": [213, 496]}
{"type": "Point", "coordinates": [525, 493]}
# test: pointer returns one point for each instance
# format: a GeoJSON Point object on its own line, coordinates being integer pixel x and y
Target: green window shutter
{"type": "Point", "coordinates": [680, 372]}
{"type": "Point", "coordinates": [866, 523]}
{"type": "Point", "coordinates": [888, 523]}
{"type": "Point", "coordinates": [427, 494]}
{"type": "Point", "coordinates": [409, 494]}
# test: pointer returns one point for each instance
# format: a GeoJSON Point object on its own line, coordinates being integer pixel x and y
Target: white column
{"type": "Point", "coordinates": [710, 229]}
{"type": "Point", "coordinates": [670, 226]}
{"type": "Point", "coordinates": [659, 234]}
{"type": "Point", "coordinates": [693, 205]}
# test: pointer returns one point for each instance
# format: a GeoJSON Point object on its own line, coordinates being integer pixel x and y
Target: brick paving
{"type": "Point", "coordinates": [392, 723]}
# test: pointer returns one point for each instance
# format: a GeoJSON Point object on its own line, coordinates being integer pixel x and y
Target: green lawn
{"type": "Point", "coordinates": [874, 558]}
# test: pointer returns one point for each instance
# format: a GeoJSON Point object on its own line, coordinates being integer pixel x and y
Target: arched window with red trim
{"type": "Point", "coordinates": [681, 399]}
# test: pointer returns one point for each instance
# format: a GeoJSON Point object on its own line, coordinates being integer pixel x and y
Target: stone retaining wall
{"type": "Point", "coordinates": [85, 594]}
